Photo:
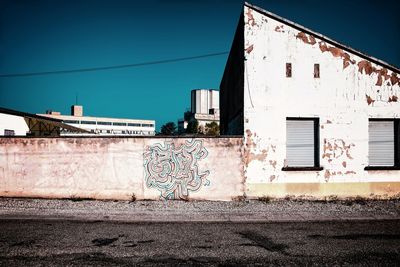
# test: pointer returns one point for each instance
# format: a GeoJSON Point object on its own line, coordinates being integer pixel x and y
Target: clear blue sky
{"type": "Point", "coordinates": [62, 34]}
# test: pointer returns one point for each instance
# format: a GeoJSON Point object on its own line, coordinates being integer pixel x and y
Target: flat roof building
{"type": "Point", "coordinates": [103, 125]}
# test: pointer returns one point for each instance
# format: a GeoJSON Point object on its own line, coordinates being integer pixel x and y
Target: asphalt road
{"type": "Point", "coordinates": [101, 243]}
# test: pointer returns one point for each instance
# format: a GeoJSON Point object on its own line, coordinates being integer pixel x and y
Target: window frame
{"type": "Point", "coordinates": [9, 132]}
{"type": "Point", "coordinates": [317, 163]}
{"type": "Point", "coordinates": [289, 73]}
{"type": "Point", "coordinates": [89, 122]}
{"type": "Point", "coordinates": [396, 147]}
{"type": "Point", "coordinates": [116, 123]}
{"type": "Point", "coordinates": [71, 121]}
{"type": "Point", "coordinates": [317, 71]}
{"type": "Point", "coordinates": [104, 123]}
{"type": "Point", "coordinates": [133, 124]}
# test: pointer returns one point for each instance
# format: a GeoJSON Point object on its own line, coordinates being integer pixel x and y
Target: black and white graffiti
{"type": "Point", "coordinates": [175, 171]}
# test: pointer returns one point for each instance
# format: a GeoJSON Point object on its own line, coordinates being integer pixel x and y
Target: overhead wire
{"type": "Point", "coordinates": [92, 69]}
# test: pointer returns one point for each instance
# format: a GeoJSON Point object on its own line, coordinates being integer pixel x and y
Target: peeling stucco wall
{"type": "Point", "coordinates": [117, 168]}
{"type": "Point", "coordinates": [350, 90]}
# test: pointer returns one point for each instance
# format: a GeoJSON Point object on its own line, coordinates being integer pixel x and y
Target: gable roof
{"type": "Point", "coordinates": [322, 37]}
{"type": "Point", "coordinates": [55, 122]}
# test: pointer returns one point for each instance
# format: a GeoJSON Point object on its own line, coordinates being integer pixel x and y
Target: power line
{"type": "Point", "coordinates": [112, 67]}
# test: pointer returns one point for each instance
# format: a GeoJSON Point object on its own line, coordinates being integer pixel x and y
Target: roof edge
{"type": "Point", "coordinates": [323, 37]}
{"type": "Point", "coordinates": [38, 117]}
{"type": "Point", "coordinates": [25, 114]}
{"type": "Point", "coordinates": [205, 89]}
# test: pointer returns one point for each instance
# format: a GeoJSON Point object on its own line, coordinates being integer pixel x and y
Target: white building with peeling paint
{"type": "Point", "coordinates": [311, 117]}
{"type": "Point", "coordinates": [318, 118]}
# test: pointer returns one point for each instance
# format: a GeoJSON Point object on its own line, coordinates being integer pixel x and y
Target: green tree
{"type": "Point", "coordinates": [168, 129]}
{"type": "Point", "coordinates": [212, 128]}
{"type": "Point", "coordinates": [192, 127]}
{"type": "Point", "coordinates": [201, 129]}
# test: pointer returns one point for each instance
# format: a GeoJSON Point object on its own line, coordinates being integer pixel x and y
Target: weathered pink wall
{"type": "Point", "coordinates": [117, 168]}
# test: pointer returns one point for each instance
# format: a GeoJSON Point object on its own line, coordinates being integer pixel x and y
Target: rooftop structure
{"type": "Point", "coordinates": [204, 109]}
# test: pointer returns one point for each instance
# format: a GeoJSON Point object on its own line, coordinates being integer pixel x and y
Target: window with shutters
{"type": "Point", "coordinates": [302, 144]}
{"type": "Point", "coordinates": [383, 144]}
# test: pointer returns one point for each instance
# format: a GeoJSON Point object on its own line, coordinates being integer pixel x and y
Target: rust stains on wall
{"type": "Point", "coordinates": [250, 18]}
{"type": "Point", "coordinates": [7, 141]}
{"type": "Point", "coordinates": [249, 49]}
{"type": "Point", "coordinates": [279, 28]}
{"type": "Point", "coordinates": [369, 100]}
{"type": "Point", "coordinates": [259, 157]}
{"type": "Point", "coordinates": [394, 79]}
{"type": "Point", "coordinates": [337, 52]}
{"type": "Point", "coordinates": [382, 75]}
{"type": "Point", "coordinates": [46, 142]}
{"type": "Point", "coordinates": [308, 39]}
{"type": "Point", "coordinates": [337, 152]}
{"type": "Point", "coordinates": [336, 148]}
{"type": "Point", "coordinates": [327, 175]}
{"type": "Point", "coordinates": [273, 163]}
{"type": "Point", "coordinates": [364, 66]}
{"type": "Point", "coordinates": [264, 154]}
{"type": "Point", "coordinates": [249, 140]}
{"type": "Point", "coordinates": [249, 145]}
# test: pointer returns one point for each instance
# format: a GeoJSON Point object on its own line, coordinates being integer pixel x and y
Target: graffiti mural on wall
{"type": "Point", "coordinates": [175, 171]}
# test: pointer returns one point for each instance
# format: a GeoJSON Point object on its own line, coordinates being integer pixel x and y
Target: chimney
{"type": "Point", "coordinates": [77, 110]}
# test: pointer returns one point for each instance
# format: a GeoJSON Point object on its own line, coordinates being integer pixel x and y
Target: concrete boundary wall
{"type": "Point", "coordinates": [119, 168]}
{"type": "Point", "coordinates": [151, 168]}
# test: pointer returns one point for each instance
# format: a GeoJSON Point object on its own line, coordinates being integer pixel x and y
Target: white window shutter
{"type": "Point", "coordinates": [300, 143]}
{"type": "Point", "coordinates": [381, 143]}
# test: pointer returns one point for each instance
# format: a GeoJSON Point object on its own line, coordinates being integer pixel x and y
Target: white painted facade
{"type": "Point", "coordinates": [106, 126]}
{"type": "Point", "coordinates": [338, 98]}
{"type": "Point", "coordinates": [351, 89]}
{"type": "Point", "coordinates": [204, 108]}
{"type": "Point", "coordinates": [202, 100]}
{"type": "Point", "coordinates": [12, 123]}
{"type": "Point", "coordinates": [103, 126]}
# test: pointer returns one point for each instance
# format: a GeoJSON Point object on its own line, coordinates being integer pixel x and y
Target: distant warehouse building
{"type": "Point", "coordinates": [101, 125]}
